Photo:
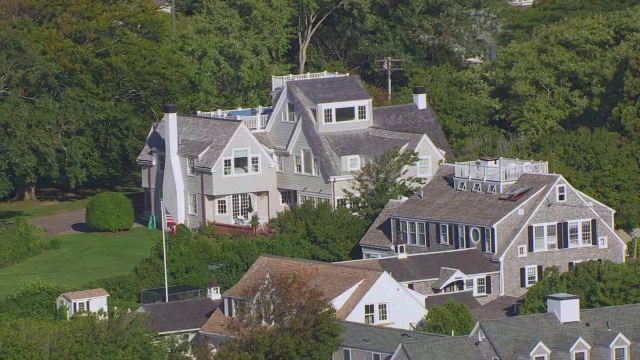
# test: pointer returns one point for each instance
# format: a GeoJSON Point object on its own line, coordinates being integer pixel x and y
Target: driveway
{"type": "Point", "coordinates": [63, 223]}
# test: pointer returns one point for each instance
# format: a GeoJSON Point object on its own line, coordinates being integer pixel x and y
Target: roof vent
{"type": "Point", "coordinates": [515, 192]}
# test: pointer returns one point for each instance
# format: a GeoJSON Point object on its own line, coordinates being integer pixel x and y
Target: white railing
{"type": "Point", "coordinates": [279, 81]}
{"type": "Point", "coordinates": [253, 122]}
{"type": "Point", "coordinates": [521, 2]}
{"type": "Point", "coordinates": [503, 170]}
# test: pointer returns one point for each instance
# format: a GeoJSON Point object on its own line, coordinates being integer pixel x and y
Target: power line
{"type": "Point", "coordinates": [387, 66]}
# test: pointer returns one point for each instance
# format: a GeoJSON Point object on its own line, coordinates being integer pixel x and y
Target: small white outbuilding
{"type": "Point", "coordinates": [92, 300]}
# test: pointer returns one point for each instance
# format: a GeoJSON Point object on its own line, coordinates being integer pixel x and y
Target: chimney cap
{"type": "Point", "coordinates": [562, 296]}
{"type": "Point", "coordinates": [419, 90]}
{"type": "Point", "coordinates": [171, 109]}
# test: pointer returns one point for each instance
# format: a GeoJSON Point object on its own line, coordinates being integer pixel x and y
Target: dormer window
{"type": "Point", "coordinates": [339, 114]}
{"type": "Point", "coordinates": [424, 166]}
{"type": "Point", "coordinates": [328, 115]}
{"type": "Point", "coordinates": [462, 186]}
{"type": "Point", "coordinates": [561, 193]}
{"type": "Point", "coordinates": [620, 348]}
{"type": "Point", "coordinates": [191, 166]}
{"type": "Point", "coordinates": [491, 189]}
{"type": "Point", "coordinates": [362, 112]}
{"type": "Point", "coordinates": [620, 353]}
{"type": "Point", "coordinates": [476, 187]}
{"type": "Point", "coordinates": [353, 163]}
{"type": "Point", "coordinates": [580, 355]}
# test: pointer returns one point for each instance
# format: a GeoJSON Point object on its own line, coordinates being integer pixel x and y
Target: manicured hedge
{"type": "Point", "coordinates": [109, 211]}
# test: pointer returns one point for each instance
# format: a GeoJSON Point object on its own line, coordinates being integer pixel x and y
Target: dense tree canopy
{"type": "Point", "coordinates": [450, 318]}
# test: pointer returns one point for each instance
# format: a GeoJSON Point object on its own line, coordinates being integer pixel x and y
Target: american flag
{"type": "Point", "coordinates": [171, 224]}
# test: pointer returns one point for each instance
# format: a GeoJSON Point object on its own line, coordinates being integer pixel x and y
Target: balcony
{"type": "Point", "coordinates": [499, 170]}
{"type": "Point", "coordinates": [253, 118]}
{"type": "Point", "coordinates": [279, 81]}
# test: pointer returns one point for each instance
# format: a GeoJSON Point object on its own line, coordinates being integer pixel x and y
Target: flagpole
{"type": "Point", "coordinates": [164, 251]}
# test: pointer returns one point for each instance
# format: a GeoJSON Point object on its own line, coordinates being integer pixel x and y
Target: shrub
{"type": "Point", "coordinates": [110, 211]}
{"type": "Point", "coordinates": [53, 244]}
{"type": "Point", "coordinates": [631, 247]}
{"type": "Point", "coordinates": [19, 241]}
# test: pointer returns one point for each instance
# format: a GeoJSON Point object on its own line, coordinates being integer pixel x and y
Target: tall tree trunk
{"type": "Point", "coordinates": [27, 192]}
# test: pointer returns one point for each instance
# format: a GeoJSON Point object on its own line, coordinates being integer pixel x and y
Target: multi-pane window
{"type": "Point", "coordinates": [403, 230]}
{"type": "Point", "coordinates": [222, 206]}
{"type": "Point", "coordinates": [328, 115]}
{"type": "Point", "coordinates": [255, 164]}
{"type": "Point", "coordinates": [191, 166]}
{"type": "Point", "coordinates": [383, 314]}
{"type": "Point", "coordinates": [552, 237]}
{"type": "Point", "coordinates": [240, 205]}
{"type": "Point", "coordinates": [227, 167]}
{"type": "Point", "coordinates": [81, 306]}
{"type": "Point", "coordinates": [279, 162]}
{"type": "Point", "coordinates": [353, 163]}
{"type": "Point", "coordinates": [481, 285]}
{"type": "Point", "coordinates": [620, 353]}
{"type": "Point", "coordinates": [316, 168]}
{"type": "Point", "coordinates": [532, 275]}
{"type": "Point", "coordinates": [462, 236]}
{"type": "Point", "coordinates": [286, 197]}
{"type": "Point", "coordinates": [488, 244]}
{"type": "Point", "coordinates": [580, 233]}
{"type": "Point", "coordinates": [539, 238]}
{"type": "Point", "coordinates": [522, 251]}
{"type": "Point", "coordinates": [468, 284]}
{"type": "Point", "coordinates": [376, 356]}
{"type": "Point", "coordinates": [362, 112]}
{"type": "Point", "coordinates": [444, 234]}
{"type": "Point", "coordinates": [297, 164]}
{"type": "Point", "coordinates": [193, 204]}
{"type": "Point", "coordinates": [342, 203]}
{"type": "Point", "coordinates": [161, 161]}
{"type": "Point", "coordinates": [424, 166]}
{"type": "Point", "coordinates": [306, 161]}
{"type": "Point", "coordinates": [561, 193]}
{"type": "Point", "coordinates": [580, 355]}
{"type": "Point", "coordinates": [422, 235]}
{"type": "Point", "coordinates": [412, 233]}
{"type": "Point", "coordinates": [369, 314]}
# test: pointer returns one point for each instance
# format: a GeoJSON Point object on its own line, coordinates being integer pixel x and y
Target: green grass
{"type": "Point", "coordinates": [36, 208]}
{"type": "Point", "coordinates": [80, 259]}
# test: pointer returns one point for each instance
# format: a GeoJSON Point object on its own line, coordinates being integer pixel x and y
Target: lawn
{"type": "Point", "coordinates": [81, 258]}
{"type": "Point", "coordinates": [36, 208]}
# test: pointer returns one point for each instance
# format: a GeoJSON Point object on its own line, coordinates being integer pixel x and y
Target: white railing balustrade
{"type": "Point", "coordinates": [253, 122]}
{"type": "Point", "coordinates": [501, 170]}
{"type": "Point", "coordinates": [279, 81]}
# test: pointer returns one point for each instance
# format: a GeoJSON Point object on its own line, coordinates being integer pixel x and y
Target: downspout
{"type": "Point", "coordinates": [203, 200]}
{"type": "Point", "coordinates": [151, 191]}
{"type": "Point", "coordinates": [333, 193]}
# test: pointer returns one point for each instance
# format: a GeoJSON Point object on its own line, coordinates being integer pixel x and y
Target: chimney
{"type": "Point", "coordinates": [565, 306]}
{"type": "Point", "coordinates": [420, 97]}
{"type": "Point", "coordinates": [171, 129]}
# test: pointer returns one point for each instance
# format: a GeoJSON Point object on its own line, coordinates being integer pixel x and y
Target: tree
{"type": "Point", "coordinates": [35, 299]}
{"type": "Point", "coordinates": [451, 318]}
{"type": "Point", "coordinates": [381, 180]}
{"type": "Point", "coordinates": [333, 233]}
{"type": "Point", "coordinates": [109, 211]}
{"type": "Point", "coordinates": [283, 319]}
{"type": "Point", "coordinates": [596, 284]}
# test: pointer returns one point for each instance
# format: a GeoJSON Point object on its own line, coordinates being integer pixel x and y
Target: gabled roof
{"type": "Point", "coordinates": [515, 337]}
{"type": "Point", "coordinates": [379, 233]}
{"type": "Point", "coordinates": [465, 297]}
{"type": "Point", "coordinates": [330, 279]}
{"type": "Point", "coordinates": [377, 338]}
{"type": "Point", "coordinates": [179, 315]}
{"type": "Point", "coordinates": [329, 90]}
{"type": "Point", "coordinates": [409, 119]}
{"type": "Point", "coordinates": [440, 202]}
{"type": "Point", "coordinates": [447, 348]}
{"type": "Point", "coordinates": [195, 135]}
{"type": "Point", "coordinates": [362, 142]}
{"type": "Point", "coordinates": [428, 265]}
{"type": "Point", "coordinates": [85, 294]}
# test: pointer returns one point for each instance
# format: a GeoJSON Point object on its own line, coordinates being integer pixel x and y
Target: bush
{"type": "Point", "coordinates": [53, 244]}
{"type": "Point", "coordinates": [19, 241]}
{"type": "Point", "coordinates": [631, 247]}
{"type": "Point", "coordinates": [110, 211]}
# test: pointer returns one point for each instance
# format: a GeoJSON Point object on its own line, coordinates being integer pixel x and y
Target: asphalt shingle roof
{"type": "Point", "coordinates": [448, 348]}
{"type": "Point", "coordinates": [377, 338]}
{"type": "Point", "coordinates": [379, 233]}
{"type": "Point", "coordinates": [85, 294]}
{"type": "Point", "coordinates": [466, 298]}
{"type": "Point", "coordinates": [335, 89]}
{"type": "Point", "coordinates": [427, 265]}
{"type": "Point", "coordinates": [179, 315]}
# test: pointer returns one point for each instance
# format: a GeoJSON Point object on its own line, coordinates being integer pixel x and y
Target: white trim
{"type": "Point", "coordinates": [600, 242]}
{"type": "Point", "coordinates": [580, 341]}
{"type": "Point", "coordinates": [524, 252]}
{"type": "Point", "coordinates": [545, 235]}
{"type": "Point", "coordinates": [226, 206]}
{"type": "Point", "coordinates": [294, 137]}
{"type": "Point", "coordinates": [433, 147]}
{"type": "Point", "coordinates": [276, 108]}
{"type": "Point", "coordinates": [564, 187]}
{"type": "Point", "coordinates": [351, 157]}
{"type": "Point", "coordinates": [261, 147]}
{"type": "Point", "coordinates": [429, 166]}
{"type": "Point", "coordinates": [544, 347]}
{"type": "Point", "coordinates": [526, 275]}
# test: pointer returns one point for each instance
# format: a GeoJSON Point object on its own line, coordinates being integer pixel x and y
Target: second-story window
{"type": "Point", "coordinates": [561, 193]}
{"type": "Point", "coordinates": [353, 163]}
{"type": "Point", "coordinates": [369, 317]}
{"type": "Point", "coordinates": [191, 166]}
{"type": "Point", "coordinates": [444, 234]}
{"type": "Point", "coordinates": [424, 166]}
{"type": "Point", "coordinates": [242, 163]}
{"type": "Point", "coordinates": [328, 115]}
{"type": "Point", "coordinates": [362, 112]}
{"type": "Point", "coordinates": [279, 160]}
{"type": "Point", "coordinates": [580, 233]}
{"type": "Point", "coordinates": [345, 114]}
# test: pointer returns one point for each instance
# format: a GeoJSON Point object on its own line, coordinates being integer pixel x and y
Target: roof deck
{"type": "Point", "coordinates": [255, 118]}
{"type": "Point", "coordinates": [279, 81]}
{"type": "Point", "coordinates": [498, 169]}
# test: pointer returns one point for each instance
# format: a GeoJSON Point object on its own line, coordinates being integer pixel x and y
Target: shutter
{"type": "Point", "coordinates": [87, 306]}
{"type": "Point", "coordinates": [427, 233]}
{"type": "Point", "coordinates": [530, 238]}
{"type": "Point", "coordinates": [488, 283]}
{"type": "Point", "coordinates": [594, 232]}
{"type": "Point", "coordinates": [523, 278]}
{"type": "Point", "coordinates": [483, 238]}
{"type": "Point", "coordinates": [493, 241]}
{"type": "Point", "coordinates": [599, 261]}
{"type": "Point", "coordinates": [559, 236]}
{"type": "Point", "coordinates": [572, 265]}
{"type": "Point", "coordinates": [565, 234]}
{"type": "Point", "coordinates": [467, 238]}
{"type": "Point", "coordinates": [540, 272]}
{"type": "Point", "coordinates": [438, 233]}
{"type": "Point", "coordinates": [75, 309]}
{"type": "Point", "coordinates": [456, 238]}
{"type": "Point", "coordinates": [451, 227]}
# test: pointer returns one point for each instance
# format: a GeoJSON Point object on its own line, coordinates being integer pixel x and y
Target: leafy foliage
{"type": "Point", "coordinates": [35, 299]}
{"type": "Point", "coordinates": [450, 318]}
{"type": "Point", "coordinates": [19, 241]}
{"type": "Point", "coordinates": [597, 284]}
{"type": "Point", "coordinates": [110, 211]}
{"type": "Point", "coordinates": [383, 179]}
{"type": "Point", "coordinates": [301, 323]}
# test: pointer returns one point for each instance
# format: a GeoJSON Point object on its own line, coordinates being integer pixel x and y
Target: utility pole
{"type": "Point", "coordinates": [387, 66]}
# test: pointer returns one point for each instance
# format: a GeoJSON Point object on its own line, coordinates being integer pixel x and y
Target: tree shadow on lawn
{"type": "Point", "coordinates": [82, 227]}
{"type": "Point", "coordinates": [10, 215]}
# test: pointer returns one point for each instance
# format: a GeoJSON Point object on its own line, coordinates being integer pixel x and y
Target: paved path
{"type": "Point", "coordinates": [71, 222]}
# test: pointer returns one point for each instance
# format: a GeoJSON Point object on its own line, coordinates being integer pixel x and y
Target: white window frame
{"type": "Point", "coordinates": [386, 312]}
{"type": "Point", "coordinates": [476, 187]}
{"type": "Point", "coordinates": [526, 274]}
{"type": "Point", "coordinates": [377, 356]}
{"type": "Point", "coordinates": [226, 207]}
{"type": "Point", "coordinates": [229, 166]}
{"type": "Point", "coordinates": [192, 203]}
{"type": "Point", "coordinates": [370, 315]}
{"type": "Point", "coordinates": [603, 242]}
{"type": "Point", "coordinates": [242, 199]}
{"type": "Point", "coordinates": [314, 167]}
{"type": "Point", "coordinates": [297, 164]}
{"type": "Point", "coordinates": [522, 251]}
{"type": "Point", "coordinates": [342, 203]}
{"type": "Point", "coordinates": [423, 170]}
{"type": "Point", "coordinates": [471, 230]}
{"type": "Point", "coordinates": [286, 114]}
{"type": "Point", "coordinates": [279, 159]}
{"type": "Point", "coordinates": [444, 235]}
{"type": "Point", "coordinates": [346, 351]}
{"type": "Point", "coordinates": [488, 241]}
{"type": "Point", "coordinates": [357, 165]}
{"type": "Point", "coordinates": [362, 112]}
{"type": "Point", "coordinates": [539, 357]}
{"type": "Point", "coordinates": [561, 193]}
{"type": "Point", "coordinates": [462, 186]}
{"type": "Point", "coordinates": [579, 223]}
{"type": "Point", "coordinates": [191, 166]}
{"type": "Point", "coordinates": [575, 353]}
{"type": "Point", "coordinates": [476, 286]}
{"type": "Point", "coordinates": [327, 116]}
{"type": "Point", "coordinates": [626, 352]}
{"type": "Point", "coordinates": [286, 197]}
{"type": "Point", "coordinates": [546, 239]}
{"type": "Point", "coordinates": [462, 237]}
{"type": "Point", "coordinates": [491, 189]}
{"type": "Point", "coordinates": [81, 306]}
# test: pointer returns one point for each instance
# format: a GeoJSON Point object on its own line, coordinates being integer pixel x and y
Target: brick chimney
{"type": "Point", "coordinates": [565, 306]}
{"type": "Point", "coordinates": [420, 97]}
